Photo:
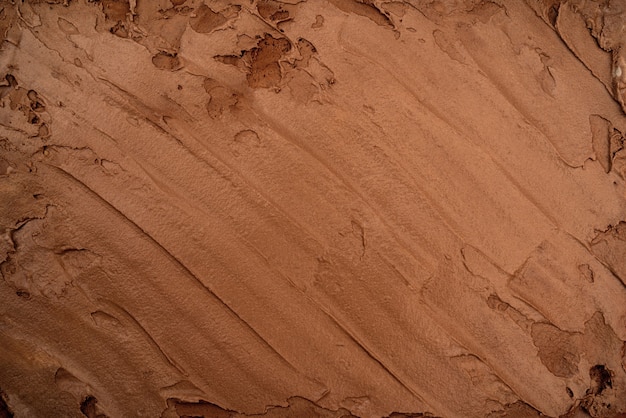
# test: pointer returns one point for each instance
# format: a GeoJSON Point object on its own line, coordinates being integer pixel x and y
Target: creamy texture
{"type": "Point", "coordinates": [323, 207]}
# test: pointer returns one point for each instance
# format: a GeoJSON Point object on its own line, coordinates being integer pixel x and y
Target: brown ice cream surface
{"type": "Point", "coordinates": [320, 208]}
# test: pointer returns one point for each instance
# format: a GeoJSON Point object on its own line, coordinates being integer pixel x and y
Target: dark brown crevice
{"type": "Point", "coordinates": [262, 63]}
{"type": "Point", "coordinates": [600, 379]}
{"type": "Point", "coordinates": [5, 411]}
{"type": "Point", "coordinates": [89, 408]}
{"type": "Point", "coordinates": [365, 8]}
